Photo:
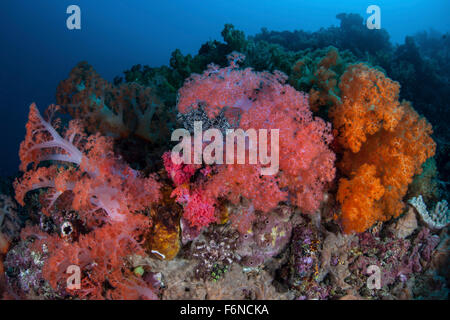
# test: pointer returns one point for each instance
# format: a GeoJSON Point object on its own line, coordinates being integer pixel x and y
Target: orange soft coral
{"type": "Point", "coordinates": [369, 103]}
{"type": "Point", "coordinates": [377, 133]}
{"type": "Point", "coordinates": [360, 212]}
{"type": "Point", "coordinates": [398, 155]}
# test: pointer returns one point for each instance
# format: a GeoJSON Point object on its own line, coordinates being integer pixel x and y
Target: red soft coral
{"type": "Point", "coordinates": [179, 173]}
{"type": "Point", "coordinates": [233, 181]}
{"type": "Point", "coordinates": [96, 178]}
{"type": "Point", "coordinates": [261, 100]}
{"type": "Point", "coordinates": [101, 256]}
{"type": "Point", "coordinates": [199, 210]}
{"type": "Point", "coordinates": [106, 193]}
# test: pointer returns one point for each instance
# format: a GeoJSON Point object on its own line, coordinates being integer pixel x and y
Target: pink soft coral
{"type": "Point", "coordinates": [261, 100]}
{"type": "Point", "coordinates": [96, 178]}
{"type": "Point", "coordinates": [199, 210]}
{"type": "Point", "coordinates": [100, 255]}
{"type": "Point", "coordinates": [108, 196]}
{"type": "Point", "coordinates": [179, 173]}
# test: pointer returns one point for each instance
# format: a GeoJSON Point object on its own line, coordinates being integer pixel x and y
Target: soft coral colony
{"type": "Point", "coordinates": [115, 220]}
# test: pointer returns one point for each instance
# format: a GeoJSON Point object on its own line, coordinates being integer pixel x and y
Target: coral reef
{"type": "Point", "coordinates": [399, 260]}
{"type": "Point", "coordinates": [419, 64]}
{"type": "Point", "coordinates": [24, 273]}
{"type": "Point", "coordinates": [4, 246]}
{"type": "Point", "coordinates": [134, 115]}
{"type": "Point", "coordinates": [101, 194]}
{"type": "Point", "coordinates": [305, 262]}
{"type": "Point", "coordinates": [360, 212]}
{"type": "Point", "coordinates": [426, 184]}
